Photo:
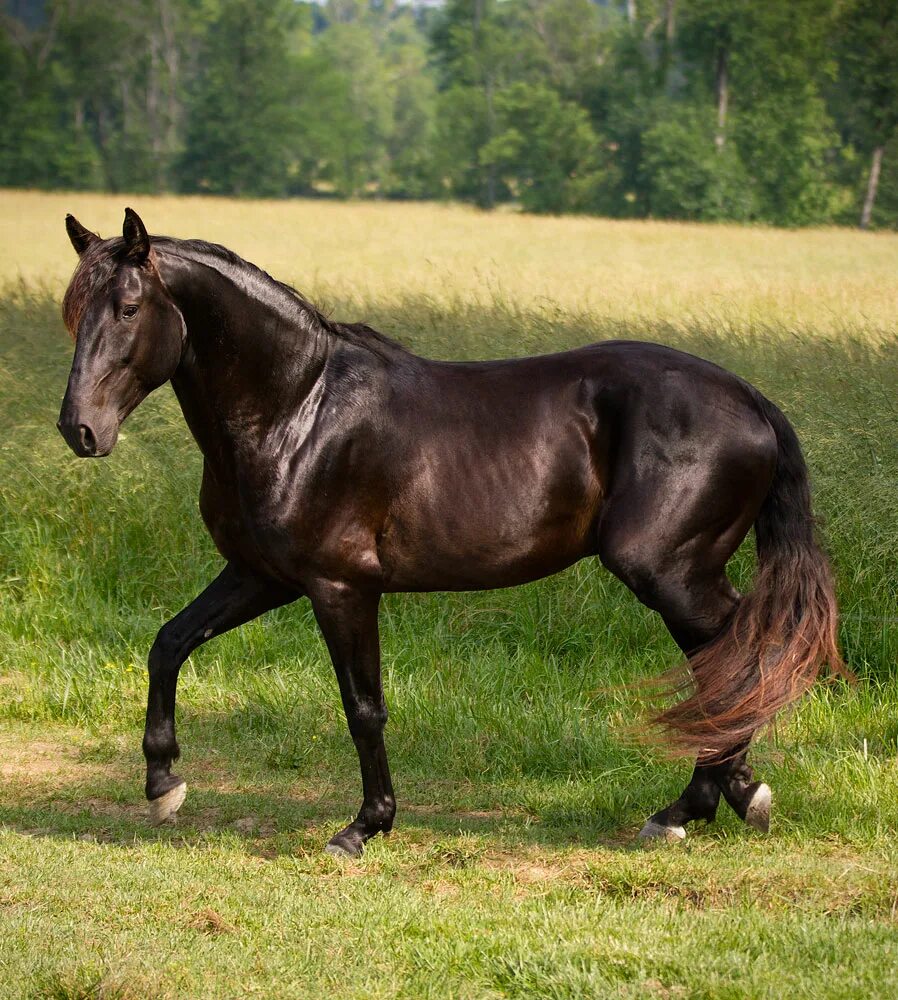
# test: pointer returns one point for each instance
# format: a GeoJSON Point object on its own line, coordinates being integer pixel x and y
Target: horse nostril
{"type": "Point", "coordinates": [88, 442]}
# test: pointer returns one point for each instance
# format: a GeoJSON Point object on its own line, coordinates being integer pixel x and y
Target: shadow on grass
{"type": "Point", "coordinates": [269, 825]}
{"type": "Point", "coordinates": [94, 793]}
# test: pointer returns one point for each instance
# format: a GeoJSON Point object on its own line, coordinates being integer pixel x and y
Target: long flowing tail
{"type": "Point", "coordinates": [781, 634]}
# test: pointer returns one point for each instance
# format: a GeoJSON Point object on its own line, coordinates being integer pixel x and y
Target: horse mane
{"type": "Point", "coordinates": [98, 265]}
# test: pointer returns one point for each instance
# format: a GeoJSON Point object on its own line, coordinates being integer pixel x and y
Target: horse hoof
{"type": "Point", "coordinates": [758, 812]}
{"type": "Point", "coordinates": [165, 807]}
{"type": "Point", "coordinates": [653, 833]}
{"type": "Point", "coordinates": [338, 850]}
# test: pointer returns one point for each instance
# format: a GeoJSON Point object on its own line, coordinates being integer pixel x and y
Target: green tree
{"type": "Point", "coordinates": [687, 175]}
{"type": "Point", "coordinates": [867, 39]}
{"type": "Point", "coordinates": [119, 70]}
{"type": "Point", "coordinates": [623, 104]}
{"type": "Point", "coordinates": [704, 109]}
{"type": "Point", "coordinates": [785, 133]}
{"type": "Point", "coordinates": [241, 129]}
{"type": "Point", "coordinates": [329, 145]}
{"type": "Point", "coordinates": [410, 144]}
{"type": "Point", "coordinates": [479, 49]}
{"type": "Point", "coordinates": [568, 42]}
{"type": "Point", "coordinates": [545, 149]}
{"type": "Point", "coordinates": [38, 144]}
{"type": "Point", "coordinates": [761, 68]}
{"type": "Point", "coordinates": [367, 112]}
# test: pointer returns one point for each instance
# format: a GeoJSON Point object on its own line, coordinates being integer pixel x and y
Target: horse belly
{"type": "Point", "coordinates": [471, 521]}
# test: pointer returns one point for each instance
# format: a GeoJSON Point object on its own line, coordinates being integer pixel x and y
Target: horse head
{"type": "Point", "coordinates": [129, 334]}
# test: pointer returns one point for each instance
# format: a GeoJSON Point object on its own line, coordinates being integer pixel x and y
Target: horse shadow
{"type": "Point", "coordinates": [273, 812]}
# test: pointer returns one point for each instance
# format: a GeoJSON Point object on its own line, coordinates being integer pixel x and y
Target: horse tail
{"type": "Point", "coordinates": [780, 635]}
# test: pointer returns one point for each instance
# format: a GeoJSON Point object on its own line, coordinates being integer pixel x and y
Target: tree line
{"type": "Point", "coordinates": [782, 111]}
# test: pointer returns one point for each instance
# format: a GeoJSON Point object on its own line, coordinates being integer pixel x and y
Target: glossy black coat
{"type": "Point", "coordinates": [339, 466]}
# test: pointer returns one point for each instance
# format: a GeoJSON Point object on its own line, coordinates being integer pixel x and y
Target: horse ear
{"type": "Point", "coordinates": [137, 243]}
{"type": "Point", "coordinates": [81, 238]}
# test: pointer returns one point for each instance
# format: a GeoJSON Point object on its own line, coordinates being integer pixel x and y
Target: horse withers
{"type": "Point", "coordinates": [340, 466]}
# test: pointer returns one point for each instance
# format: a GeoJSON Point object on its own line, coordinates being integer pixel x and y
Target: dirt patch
{"type": "Point", "coordinates": [36, 760]}
{"type": "Point", "coordinates": [441, 889]}
{"type": "Point", "coordinates": [43, 761]}
{"type": "Point", "coordinates": [528, 870]}
{"type": "Point", "coordinates": [209, 921]}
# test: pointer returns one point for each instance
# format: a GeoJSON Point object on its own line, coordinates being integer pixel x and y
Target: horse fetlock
{"type": "Point", "coordinates": [750, 801]}
{"type": "Point", "coordinates": [378, 816]}
{"type": "Point", "coordinates": [160, 748]}
{"type": "Point", "coordinates": [699, 802]}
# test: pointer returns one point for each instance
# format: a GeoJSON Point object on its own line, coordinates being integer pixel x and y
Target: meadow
{"type": "Point", "coordinates": [512, 871]}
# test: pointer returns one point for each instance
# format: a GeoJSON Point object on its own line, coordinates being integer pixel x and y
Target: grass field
{"type": "Point", "coordinates": [512, 871]}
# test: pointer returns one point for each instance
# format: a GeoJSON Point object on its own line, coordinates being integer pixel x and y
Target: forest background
{"type": "Point", "coordinates": [783, 112]}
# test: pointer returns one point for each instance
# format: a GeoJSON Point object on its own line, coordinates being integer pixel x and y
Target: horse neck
{"type": "Point", "coordinates": [252, 353]}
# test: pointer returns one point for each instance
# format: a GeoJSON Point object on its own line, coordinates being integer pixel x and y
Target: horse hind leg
{"type": "Point", "coordinates": [696, 607]}
{"type": "Point", "coordinates": [750, 800]}
{"type": "Point", "coordinates": [726, 773]}
{"type": "Point", "coordinates": [699, 800]}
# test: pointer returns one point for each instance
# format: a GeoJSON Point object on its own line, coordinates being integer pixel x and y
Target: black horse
{"type": "Point", "coordinates": [340, 466]}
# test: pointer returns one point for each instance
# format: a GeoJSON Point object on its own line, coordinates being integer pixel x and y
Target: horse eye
{"type": "Point", "coordinates": [129, 312]}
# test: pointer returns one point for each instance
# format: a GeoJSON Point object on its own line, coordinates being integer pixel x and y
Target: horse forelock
{"type": "Point", "coordinates": [93, 275]}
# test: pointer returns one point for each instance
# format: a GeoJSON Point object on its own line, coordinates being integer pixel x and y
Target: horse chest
{"type": "Point", "coordinates": [291, 529]}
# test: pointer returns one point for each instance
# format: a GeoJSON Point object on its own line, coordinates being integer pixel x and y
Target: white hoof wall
{"type": "Point", "coordinates": [758, 812]}
{"type": "Point", "coordinates": [653, 833]}
{"type": "Point", "coordinates": [165, 807]}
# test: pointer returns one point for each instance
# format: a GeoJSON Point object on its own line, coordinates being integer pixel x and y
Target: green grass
{"type": "Point", "coordinates": [511, 872]}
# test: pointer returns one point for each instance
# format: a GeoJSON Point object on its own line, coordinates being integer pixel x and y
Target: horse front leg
{"type": "Point", "coordinates": [347, 617]}
{"type": "Point", "coordinates": [232, 599]}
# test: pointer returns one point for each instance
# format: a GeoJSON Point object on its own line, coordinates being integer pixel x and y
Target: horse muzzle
{"type": "Point", "coordinates": [88, 435]}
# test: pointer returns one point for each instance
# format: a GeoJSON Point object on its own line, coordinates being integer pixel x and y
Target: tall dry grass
{"type": "Point", "coordinates": [826, 281]}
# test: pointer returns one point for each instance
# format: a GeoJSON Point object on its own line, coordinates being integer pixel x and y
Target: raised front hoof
{"type": "Point", "coordinates": [757, 813]}
{"type": "Point", "coordinates": [653, 834]}
{"type": "Point", "coordinates": [348, 843]}
{"type": "Point", "coordinates": [163, 809]}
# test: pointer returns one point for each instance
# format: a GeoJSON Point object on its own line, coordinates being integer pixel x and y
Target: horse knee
{"type": "Point", "coordinates": [167, 651]}
{"type": "Point", "coordinates": [367, 719]}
